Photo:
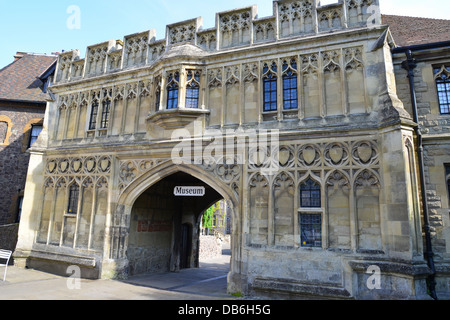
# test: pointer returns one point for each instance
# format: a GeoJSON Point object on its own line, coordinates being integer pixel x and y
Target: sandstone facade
{"type": "Point", "coordinates": [318, 167]}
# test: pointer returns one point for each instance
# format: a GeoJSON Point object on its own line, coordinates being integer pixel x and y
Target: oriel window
{"type": "Point", "coordinates": [192, 89]}
{"type": "Point", "coordinates": [310, 195]}
{"type": "Point", "coordinates": [270, 87]}
{"type": "Point", "coordinates": [172, 90]}
{"type": "Point", "coordinates": [290, 91]}
{"type": "Point", "coordinates": [74, 193]}
{"type": "Point", "coordinates": [442, 77]}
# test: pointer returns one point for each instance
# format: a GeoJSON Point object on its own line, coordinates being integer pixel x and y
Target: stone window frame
{"type": "Point", "coordinates": [173, 90]}
{"type": "Point", "coordinates": [290, 84]}
{"type": "Point", "coordinates": [95, 106]}
{"type": "Point", "coordinates": [27, 130]}
{"type": "Point", "coordinates": [74, 196]}
{"type": "Point", "coordinates": [307, 183]}
{"type": "Point", "coordinates": [270, 86]}
{"type": "Point", "coordinates": [192, 88]}
{"type": "Point", "coordinates": [31, 136]}
{"type": "Point", "coordinates": [106, 113]}
{"type": "Point", "coordinates": [318, 239]}
{"type": "Point", "coordinates": [442, 76]}
{"type": "Point", "coordinates": [447, 179]}
{"type": "Point", "coordinates": [8, 130]}
{"type": "Point", "coordinates": [311, 210]}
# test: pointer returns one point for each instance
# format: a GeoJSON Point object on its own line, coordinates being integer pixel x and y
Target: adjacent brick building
{"type": "Point", "coordinates": [22, 107]}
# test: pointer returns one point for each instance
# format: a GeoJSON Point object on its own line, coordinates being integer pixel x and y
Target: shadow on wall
{"type": "Point", "coordinates": [14, 160]}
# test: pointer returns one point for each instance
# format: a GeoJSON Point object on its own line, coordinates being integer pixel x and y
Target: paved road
{"type": "Point", "coordinates": [207, 283]}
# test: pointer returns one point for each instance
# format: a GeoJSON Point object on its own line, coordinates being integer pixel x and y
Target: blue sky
{"type": "Point", "coordinates": [41, 26]}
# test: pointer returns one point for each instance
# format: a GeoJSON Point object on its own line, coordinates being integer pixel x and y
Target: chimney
{"type": "Point", "coordinates": [19, 55]}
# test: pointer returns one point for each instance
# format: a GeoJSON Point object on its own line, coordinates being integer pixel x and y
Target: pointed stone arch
{"type": "Point", "coordinates": [367, 195]}
{"type": "Point", "coordinates": [120, 220]}
{"type": "Point", "coordinates": [338, 213]}
{"type": "Point", "coordinates": [283, 209]}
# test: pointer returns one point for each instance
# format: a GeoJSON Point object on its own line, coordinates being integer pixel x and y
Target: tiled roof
{"type": "Point", "coordinates": [409, 31]}
{"type": "Point", "coordinates": [20, 80]}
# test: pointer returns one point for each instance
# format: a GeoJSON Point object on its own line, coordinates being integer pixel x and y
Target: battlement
{"type": "Point", "coordinates": [238, 28]}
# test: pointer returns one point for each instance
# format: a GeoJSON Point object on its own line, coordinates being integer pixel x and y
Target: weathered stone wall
{"type": "Point", "coordinates": [210, 247]}
{"type": "Point", "coordinates": [435, 128]}
{"type": "Point", "coordinates": [8, 236]}
{"type": "Point", "coordinates": [347, 134]}
{"type": "Point", "coordinates": [14, 158]}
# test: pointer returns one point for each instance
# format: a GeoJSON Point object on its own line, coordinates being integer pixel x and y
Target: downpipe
{"type": "Point", "coordinates": [410, 65]}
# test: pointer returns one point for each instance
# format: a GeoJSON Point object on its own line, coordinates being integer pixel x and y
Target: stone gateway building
{"type": "Point", "coordinates": [293, 119]}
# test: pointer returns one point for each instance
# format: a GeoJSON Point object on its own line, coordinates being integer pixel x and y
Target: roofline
{"type": "Point", "coordinates": [421, 47]}
{"type": "Point", "coordinates": [49, 70]}
{"type": "Point", "coordinates": [34, 102]}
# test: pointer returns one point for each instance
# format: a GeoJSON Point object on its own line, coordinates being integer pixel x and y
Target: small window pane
{"type": "Point", "coordinates": [105, 113]}
{"type": "Point", "coordinates": [270, 88]}
{"type": "Point", "coordinates": [74, 192]}
{"type": "Point", "coordinates": [290, 92]}
{"type": "Point", "coordinates": [35, 131]}
{"type": "Point", "coordinates": [311, 230]}
{"type": "Point", "coordinates": [172, 91]}
{"type": "Point", "coordinates": [93, 119]}
{"type": "Point", "coordinates": [443, 88]}
{"type": "Point", "coordinates": [192, 89]}
{"type": "Point", "coordinates": [310, 195]}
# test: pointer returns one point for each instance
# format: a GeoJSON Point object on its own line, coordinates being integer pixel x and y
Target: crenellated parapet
{"type": "Point", "coordinates": [233, 29]}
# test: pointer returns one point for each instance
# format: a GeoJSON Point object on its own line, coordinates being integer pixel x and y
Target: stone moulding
{"type": "Point", "coordinates": [233, 29]}
{"type": "Point", "coordinates": [292, 286]}
{"type": "Point", "coordinates": [176, 118]}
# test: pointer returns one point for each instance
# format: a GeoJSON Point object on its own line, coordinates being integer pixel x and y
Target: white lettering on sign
{"type": "Point", "coordinates": [189, 191]}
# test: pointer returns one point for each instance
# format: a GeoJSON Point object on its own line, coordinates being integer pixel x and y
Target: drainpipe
{"type": "Point", "coordinates": [410, 65]}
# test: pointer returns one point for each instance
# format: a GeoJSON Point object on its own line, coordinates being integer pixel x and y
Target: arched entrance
{"type": "Point", "coordinates": [122, 221]}
{"type": "Point", "coordinates": [164, 227]}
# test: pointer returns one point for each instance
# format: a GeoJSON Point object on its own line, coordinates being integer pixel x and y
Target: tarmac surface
{"type": "Point", "coordinates": [209, 282]}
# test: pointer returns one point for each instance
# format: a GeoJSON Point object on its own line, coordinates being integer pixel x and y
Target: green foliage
{"type": "Point", "coordinates": [208, 218]}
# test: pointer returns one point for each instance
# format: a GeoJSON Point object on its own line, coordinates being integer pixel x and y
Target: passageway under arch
{"type": "Point", "coordinates": [165, 228]}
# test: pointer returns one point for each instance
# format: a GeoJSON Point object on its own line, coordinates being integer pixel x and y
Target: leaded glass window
{"type": "Point", "coordinates": [74, 193]}
{"type": "Point", "coordinates": [311, 230]}
{"type": "Point", "coordinates": [105, 113]}
{"type": "Point", "coordinates": [192, 89]}
{"type": "Point", "coordinates": [270, 87]}
{"type": "Point", "coordinates": [442, 77]}
{"type": "Point", "coordinates": [172, 90]}
{"type": "Point", "coordinates": [94, 113]}
{"type": "Point", "coordinates": [310, 194]}
{"type": "Point", "coordinates": [290, 90]}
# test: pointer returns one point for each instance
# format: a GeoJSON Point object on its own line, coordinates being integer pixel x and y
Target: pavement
{"type": "Point", "coordinates": [209, 282]}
